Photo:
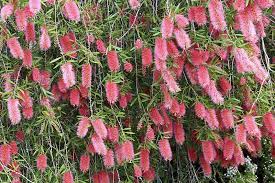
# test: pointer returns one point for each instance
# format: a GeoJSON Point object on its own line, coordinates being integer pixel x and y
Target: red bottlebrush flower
{"type": "Point", "coordinates": [182, 39]}
{"type": "Point", "coordinates": [165, 149]}
{"type": "Point", "coordinates": [98, 144]}
{"type": "Point", "coordinates": [251, 126]}
{"type": "Point", "coordinates": [67, 45]}
{"type": "Point", "coordinates": [239, 5]}
{"type": "Point", "coordinates": [203, 76]}
{"type": "Point", "coordinates": [181, 21]}
{"type": "Point", "coordinates": [227, 118]}
{"type": "Point", "coordinates": [83, 126]}
{"type": "Point", "coordinates": [199, 57]}
{"type": "Point", "coordinates": [86, 75]}
{"type": "Point", "coordinates": [71, 11]}
{"type": "Point", "coordinates": [113, 62]}
{"type": "Point", "coordinates": [264, 3]}
{"type": "Point", "coordinates": [13, 147]}
{"type": "Point", "coordinates": [134, 4]}
{"type": "Point", "coordinates": [68, 74]}
{"type": "Point", "coordinates": [123, 101]}
{"type": "Point", "coordinates": [35, 6]}
{"type": "Point", "coordinates": [228, 148]}
{"type": "Point", "coordinates": [192, 154]}
{"type": "Point", "coordinates": [172, 49]}
{"type": "Point", "coordinates": [197, 14]}
{"type": "Point", "coordinates": [30, 32]}
{"type": "Point", "coordinates": [27, 112]}
{"type": "Point", "coordinates": [25, 99]}
{"type": "Point", "coordinates": [208, 150]}
{"type": "Point", "coordinates": [138, 44]}
{"type": "Point", "coordinates": [149, 175]}
{"type": "Point", "coordinates": [20, 19]}
{"type": "Point", "coordinates": [108, 159]}
{"type": "Point", "coordinates": [147, 57]}
{"type": "Point", "coordinates": [213, 93]}
{"type": "Point", "coordinates": [41, 162]}
{"type": "Point", "coordinates": [269, 122]}
{"type": "Point", "coordinates": [13, 110]}
{"type": "Point", "coordinates": [15, 48]}
{"type": "Point", "coordinates": [113, 134]}
{"type": "Point", "coordinates": [128, 67]}
{"type": "Point", "coordinates": [112, 91]}
{"type": "Point", "coordinates": [191, 73]}
{"type": "Point", "coordinates": [137, 171]}
{"type": "Point", "coordinates": [150, 134]}
{"type": "Point", "coordinates": [20, 136]}
{"type": "Point", "coordinates": [211, 119]}
{"type": "Point", "coordinates": [170, 81]}
{"type": "Point", "coordinates": [45, 40]}
{"type": "Point", "coordinates": [179, 133]}
{"type": "Point", "coordinates": [5, 154]}
{"type": "Point", "coordinates": [6, 11]}
{"type": "Point", "coordinates": [74, 97]}
{"type": "Point", "coordinates": [27, 59]}
{"type": "Point", "coordinates": [161, 48]}
{"type": "Point", "coordinates": [144, 160]}
{"type": "Point", "coordinates": [100, 128]}
{"type": "Point", "coordinates": [128, 148]}
{"type": "Point", "coordinates": [238, 155]}
{"type": "Point", "coordinates": [224, 85]}
{"type": "Point", "coordinates": [206, 167]}
{"type": "Point", "coordinates": [100, 46]}
{"type": "Point", "coordinates": [84, 163]}
{"type": "Point", "coordinates": [216, 14]}
{"type": "Point", "coordinates": [200, 110]}
{"type": "Point", "coordinates": [68, 177]}
{"type": "Point", "coordinates": [155, 116]}
{"type": "Point", "coordinates": [167, 27]}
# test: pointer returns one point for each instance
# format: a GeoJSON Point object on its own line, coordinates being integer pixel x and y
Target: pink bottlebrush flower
{"type": "Point", "coordinates": [167, 98]}
{"type": "Point", "coordinates": [20, 19]}
{"type": "Point", "coordinates": [160, 64]}
{"type": "Point", "coordinates": [101, 176]}
{"type": "Point", "coordinates": [206, 167]}
{"type": "Point", "coordinates": [242, 60]}
{"type": "Point", "coordinates": [67, 45]}
{"type": "Point", "coordinates": [98, 144]}
{"type": "Point", "coordinates": [251, 126]}
{"type": "Point", "coordinates": [203, 76]}
{"type": "Point", "coordinates": [128, 67]}
{"type": "Point", "coordinates": [25, 99]}
{"type": "Point", "coordinates": [269, 122]}
{"type": "Point", "coordinates": [149, 175]}
{"type": "Point", "coordinates": [45, 40]}
{"type": "Point", "coordinates": [7, 82]}
{"type": "Point", "coordinates": [84, 92]}
{"type": "Point", "coordinates": [68, 177]}
{"type": "Point", "coordinates": [264, 3]}
{"type": "Point", "coordinates": [13, 111]}
{"type": "Point", "coordinates": [147, 57]}
{"type": "Point", "coordinates": [191, 73]}
{"type": "Point", "coordinates": [175, 107]}
{"type": "Point", "coordinates": [71, 11]}
{"type": "Point", "coordinates": [224, 85]}
{"type": "Point", "coordinates": [213, 93]}
{"type": "Point", "coordinates": [260, 29]}
{"type": "Point", "coordinates": [200, 110]}
{"type": "Point", "coordinates": [113, 62]}
{"type": "Point", "coordinates": [247, 27]}
{"type": "Point", "coordinates": [161, 48]}
{"type": "Point", "coordinates": [172, 49]}
{"type": "Point", "coordinates": [27, 112]}
{"type": "Point", "coordinates": [238, 155]}
{"type": "Point", "coordinates": [179, 133]}
{"type": "Point", "coordinates": [5, 154]}
{"type": "Point", "coordinates": [150, 134]}
{"type": "Point", "coordinates": [108, 159]}
{"type": "Point", "coordinates": [41, 162]}
{"type": "Point", "coordinates": [6, 11]}
{"type": "Point", "coordinates": [74, 97]}
{"type": "Point", "coordinates": [84, 163]}
{"type": "Point", "coordinates": [100, 128]}
{"type": "Point", "coordinates": [239, 5]}
{"type": "Point", "coordinates": [167, 128]}
{"type": "Point", "coordinates": [192, 154]}
{"type": "Point", "coordinates": [123, 101]}
{"type": "Point", "coordinates": [182, 110]}
{"type": "Point", "coordinates": [227, 118]}
{"type": "Point", "coordinates": [134, 4]}
{"type": "Point", "coordinates": [45, 79]}
{"type": "Point", "coordinates": [62, 86]}
{"type": "Point", "coordinates": [113, 134]}
{"type": "Point", "coordinates": [128, 148]}
{"type": "Point", "coordinates": [15, 48]}
{"type": "Point", "coordinates": [27, 58]}
{"type": "Point", "coordinates": [199, 57]}
{"type": "Point", "coordinates": [167, 27]}
{"type": "Point", "coordinates": [83, 127]}
{"type": "Point", "coordinates": [170, 81]}
{"type": "Point", "coordinates": [86, 75]}
{"type": "Point", "coordinates": [68, 74]}
{"type": "Point", "coordinates": [112, 91]}
{"type": "Point", "coordinates": [208, 150]}
{"type": "Point", "coordinates": [165, 149]}
{"type": "Point", "coordinates": [155, 116]}
{"type": "Point", "coordinates": [119, 153]}
{"type": "Point", "coordinates": [228, 148]}
{"type": "Point", "coordinates": [211, 119]}
{"type": "Point", "coordinates": [35, 6]}
{"type": "Point", "coordinates": [197, 14]}
{"type": "Point", "coordinates": [181, 21]}
{"type": "Point", "coordinates": [28, 12]}
{"type": "Point", "coordinates": [216, 13]}
{"type": "Point", "coordinates": [254, 12]}
{"type": "Point", "coordinates": [51, 2]}
{"type": "Point", "coordinates": [182, 39]}
{"type": "Point", "coordinates": [178, 66]}
{"type": "Point", "coordinates": [13, 147]}
{"type": "Point", "coordinates": [100, 46]}
{"type": "Point", "coordinates": [144, 160]}
{"type": "Point", "coordinates": [138, 44]}
{"type": "Point", "coordinates": [137, 171]}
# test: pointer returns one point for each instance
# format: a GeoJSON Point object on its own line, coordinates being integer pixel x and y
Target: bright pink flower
{"type": "Point", "coordinates": [27, 59]}
{"type": "Point", "coordinates": [197, 14]}
{"type": "Point", "coordinates": [68, 45]}
{"type": "Point", "coordinates": [167, 98]}
{"type": "Point", "coordinates": [238, 155]}
{"type": "Point", "coordinates": [128, 67]}
{"type": "Point", "coordinates": [138, 44]}
{"type": "Point", "coordinates": [247, 27]}
{"type": "Point", "coordinates": [147, 57]}
{"type": "Point", "coordinates": [192, 154]}
{"type": "Point", "coordinates": [240, 134]}
{"type": "Point", "coordinates": [6, 11]}
{"type": "Point", "coordinates": [225, 85]}
{"type": "Point", "coordinates": [199, 57]}
{"type": "Point", "coordinates": [160, 64]}
{"type": "Point", "coordinates": [100, 46]}
{"type": "Point", "coordinates": [20, 19]}
{"type": "Point", "coordinates": [134, 4]}
{"type": "Point", "coordinates": [239, 5]}
{"type": "Point", "coordinates": [45, 77]}
{"type": "Point", "coordinates": [68, 177]}
{"type": "Point", "coordinates": [5, 154]}
{"type": "Point", "coordinates": [84, 163]}
{"type": "Point", "coordinates": [25, 99]}
{"type": "Point", "coordinates": [206, 167]}
{"type": "Point", "coordinates": [99, 145]}
{"type": "Point", "coordinates": [203, 76]}
{"type": "Point", "coordinates": [90, 148]}
{"type": "Point", "coordinates": [216, 14]}
{"type": "Point", "coordinates": [113, 62]}
{"type": "Point", "coordinates": [45, 41]}
{"type": "Point", "coordinates": [144, 160]}
{"type": "Point", "coordinates": [13, 110]}
{"type": "Point", "coordinates": [35, 6]}
{"type": "Point", "coordinates": [71, 11]}
{"type": "Point", "coordinates": [74, 97]}
{"type": "Point", "coordinates": [182, 38]}
{"type": "Point", "coordinates": [165, 149]}
{"type": "Point", "coordinates": [208, 150]}
{"type": "Point", "coordinates": [172, 49]}
{"type": "Point", "coordinates": [68, 74]}
{"type": "Point", "coordinates": [150, 134]}
{"type": "Point", "coordinates": [191, 73]}
{"type": "Point", "coordinates": [170, 81]}
{"type": "Point", "coordinates": [211, 119]}
{"type": "Point", "coordinates": [167, 27]}
{"type": "Point", "coordinates": [86, 75]}
{"type": "Point", "coordinates": [213, 93]}
{"type": "Point", "coordinates": [112, 91]}
{"type": "Point", "coordinates": [161, 48]}
{"type": "Point", "coordinates": [108, 159]}
{"type": "Point", "coordinates": [15, 48]}
{"type": "Point", "coordinates": [227, 118]}
{"type": "Point", "coordinates": [269, 122]}
{"type": "Point", "coordinates": [228, 149]}
{"type": "Point", "coordinates": [179, 133]}
{"type": "Point", "coordinates": [13, 147]}
{"type": "Point", "coordinates": [83, 127]}
{"type": "Point", "coordinates": [182, 21]}
{"type": "Point", "coordinates": [128, 148]}
{"type": "Point", "coordinates": [137, 171]}
{"type": "Point", "coordinates": [251, 126]}
{"type": "Point", "coordinates": [51, 2]}
{"type": "Point", "coordinates": [123, 101]}
{"type": "Point", "coordinates": [175, 107]}
{"type": "Point", "coordinates": [41, 162]}
{"type": "Point", "coordinates": [242, 60]}
{"type": "Point", "coordinates": [100, 128]}
{"type": "Point", "coordinates": [264, 3]}
{"type": "Point", "coordinates": [27, 112]}
{"type": "Point", "coordinates": [119, 153]}
{"type": "Point", "coordinates": [113, 134]}
{"type": "Point", "coordinates": [200, 110]}
{"type": "Point", "coordinates": [155, 116]}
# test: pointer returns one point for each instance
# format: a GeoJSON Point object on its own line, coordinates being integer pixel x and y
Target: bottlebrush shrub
{"type": "Point", "coordinates": [132, 91]}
